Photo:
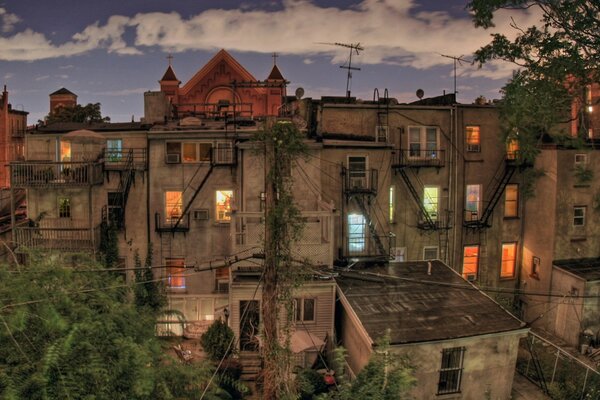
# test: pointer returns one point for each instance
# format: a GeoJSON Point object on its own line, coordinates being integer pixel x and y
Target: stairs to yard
{"type": "Point", "coordinates": [251, 365]}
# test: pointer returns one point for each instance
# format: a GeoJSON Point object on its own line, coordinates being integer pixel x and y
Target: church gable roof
{"type": "Point", "coordinates": [62, 91]}
{"type": "Point", "coordinates": [275, 74]}
{"type": "Point", "coordinates": [222, 56]}
{"type": "Point", "coordinates": [169, 75]}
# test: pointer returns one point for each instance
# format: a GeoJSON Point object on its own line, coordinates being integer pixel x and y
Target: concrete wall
{"type": "Point", "coordinates": [568, 313]}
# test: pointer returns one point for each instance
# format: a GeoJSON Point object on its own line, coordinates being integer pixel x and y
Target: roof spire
{"type": "Point", "coordinates": [274, 55]}
{"type": "Point", "coordinates": [170, 58]}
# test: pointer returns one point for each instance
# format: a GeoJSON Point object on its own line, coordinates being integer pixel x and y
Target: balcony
{"type": "Point", "coordinates": [360, 181]}
{"type": "Point", "coordinates": [55, 174]}
{"type": "Point", "coordinates": [67, 238]}
{"type": "Point", "coordinates": [315, 245]}
{"type": "Point", "coordinates": [418, 158]}
{"type": "Point", "coordinates": [436, 221]}
{"type": "Point", "coordinates": [366, 245]}
{"type": "Point", "coordinates": [119, 159]}
{"type": "Point", "coordinates": [170, 225]}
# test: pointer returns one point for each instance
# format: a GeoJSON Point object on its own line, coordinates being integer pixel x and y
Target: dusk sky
{"type": "Point", "coordinates": [112, 51]}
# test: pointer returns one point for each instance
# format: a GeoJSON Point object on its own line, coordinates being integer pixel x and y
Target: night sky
{"type": "Point", "coordinates": [112, 51]}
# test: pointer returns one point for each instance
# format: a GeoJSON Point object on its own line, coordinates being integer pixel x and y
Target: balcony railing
{"type": "Point", "coordinates": [360, 181]}
{"type": "Point", "coordinates": [48, 173]}
{"type": "Point", "coordinates": [315, 244]}
{"type": "Point", "coordinates": [366, 245]}
{"type": "Point", "coordinates": [60, 239]}
{"type": "Point", "coordinates": [436, 220]}
{"type": "Point", "coordinates": [169, 225]}
{"type": "Point", "coordinates": [418, 158]}
{"type": "Point", "coordinates": [117, 159]}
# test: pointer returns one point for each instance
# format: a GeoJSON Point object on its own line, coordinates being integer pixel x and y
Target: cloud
{"type": "Point", "coordinates": [8, 20]}
{"type": "Point", "coordinates": [392, 32]}
{"type": "Point", "coordinates": [123, 92]}
{"type": "Point", "coordinates": [8, 75]}
{"type": "Point", "coordinates": [41, 78]}
{"type": "Point", "coordinates": [307, 61]}
{"type": "Point", "coordinates": [62, 76]}
{"type": "Point", "coordinates": [69, 66]}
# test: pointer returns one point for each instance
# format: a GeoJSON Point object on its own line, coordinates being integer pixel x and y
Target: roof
{"type": "Point", "coordinates": [415, 309]}
{"type": "Point", "coordinates": [62, 91]}
{"type": "Point", "coordinates": [275, 74]}
{"type": "Point", "coordinates": [169, 75]}
{"type": "Point", "coordinates": [587, 269]}
{"type": "Point", "coordinates": [61, 127]}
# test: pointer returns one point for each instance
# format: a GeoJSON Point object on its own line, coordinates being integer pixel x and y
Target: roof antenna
{"type": "Point", "coordinates": [354, 47]}
{"type": "Point", "coordinates": [458, 60]}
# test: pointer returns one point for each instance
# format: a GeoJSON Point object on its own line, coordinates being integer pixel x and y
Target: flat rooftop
{"type": "Point", "coordinates": [587, 269]}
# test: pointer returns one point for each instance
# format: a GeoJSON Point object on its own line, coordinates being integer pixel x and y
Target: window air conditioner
{"type": "Point", "coordinates": [358, 182]}
{"type": "Point", "coordinates": [173, 158]}
{"type": "Point", "coordinates": [200, 215]}
{"type": "Point", "coordinates": [471, 277]}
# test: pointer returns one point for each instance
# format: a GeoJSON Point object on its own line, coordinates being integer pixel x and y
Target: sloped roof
{"type": "Point", "coordinates": [418, 307]}
{"type": "Point", "coordinates": [169, 75]}
{"type": "Point", "coordinates": [275, 74]}
{"type": "Point", "coordinates": [62, 91]}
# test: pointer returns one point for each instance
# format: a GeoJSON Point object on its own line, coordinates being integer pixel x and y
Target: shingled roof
{"type": "Point", "coordinates": [62, 91]}
{"type": "Point", "coordinates": [169, 75]}
{"type": "Point", "coordinates": [418, 307]}
{"type": "Point", "coordinates": [275, 74]}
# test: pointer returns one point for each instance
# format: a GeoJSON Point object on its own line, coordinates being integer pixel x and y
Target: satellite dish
{"type": "Point", "coordinates": [420, 93]}
{"type": "Point", "coordinates": [299, 93]}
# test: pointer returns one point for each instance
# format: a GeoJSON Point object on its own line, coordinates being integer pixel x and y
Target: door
{"type": "Point", "coordinates": [249, 325]}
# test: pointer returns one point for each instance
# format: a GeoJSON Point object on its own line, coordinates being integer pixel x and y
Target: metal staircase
{"type": "Point", "coordinates": [429, 223]}
{"type": "Point", "coordinates": [372, 228]}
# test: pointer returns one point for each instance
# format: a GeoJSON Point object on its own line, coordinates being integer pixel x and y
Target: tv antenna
{"type": "Point", "coordinates": [456, 60]}
{"type": "Point", "coordinates": [354, 47]}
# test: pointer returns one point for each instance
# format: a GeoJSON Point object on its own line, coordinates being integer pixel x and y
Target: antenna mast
{"type": "Point", "coordinates": [354, 47]}
{"type": "Point", "coordinates": [458, 60]}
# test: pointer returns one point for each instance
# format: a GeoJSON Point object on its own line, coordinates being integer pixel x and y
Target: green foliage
{"type": "Point", "coordinates": [529, 178]}
{"type": "Point", "coordinates": [149, 292]}
{"type": "Point", "coordinates": [68, 334]}
{"type": "Point", "coordinates": [109, 245]}
{"type": "Point", "coordinates": [78, 113]}
{"type": "Point", "coordinates": [216, 341]}
{"type": "Point", "coordinates": [309, 383]}
{"type": "Point", "coordinates": [583, 175]}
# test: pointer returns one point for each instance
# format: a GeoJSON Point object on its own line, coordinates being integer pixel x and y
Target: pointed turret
{"type": "Point", "coordinates": [169, 84]}
{"type": "Point", "coordinates": [169, 75]}
{"type": "Point", "coordinates": [275, 74]}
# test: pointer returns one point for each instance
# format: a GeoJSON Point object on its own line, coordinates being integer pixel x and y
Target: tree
{"type": "Point", "coordinates": [149, 292]}
{"type": "Point", "coordinates": [78, 113]}
{"type": "Point", "coordinates": [557, 60]}
{"type": "Point", "coordinates": [69, 333]}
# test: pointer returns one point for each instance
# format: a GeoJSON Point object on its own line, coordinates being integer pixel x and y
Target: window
{"type": "Point", "coordinates": [579, 215]}
{"type": "Point", "coordinates": [304, 310]}
{"type": "Point", "coordinates": [176, 273]}
{"type": "Point", "coordinates": [470, 262]}
{"type": "Point", "coordinates": [473, 202]}
{"type": "Point", "coordinates": [580, 159]}
{"type": "Point", "coordinates": [423, 141]}
{"type": "Point", "coordinates": [399, 254]}
{"type": "Point", "coordinates": [512, 149]}
{"type": "Point", "coordinates": [64, 207]}
{"type": "Point", "coordinates": [357, 172]}
{"type": "Point", "coordinates": [224, 154]}
{"type": "Point", "coordinates": [381, 133]}
{"type": "Point", "coordinates": [430, 253]}
{"type": "Point", "coordinates": [392, 206]}
{"type": "Point", "coordinates": [509, 260]}
{"type": "Point", "coordinates": [356, 233]}
{"type": "Point", "coordinates": [535, 267]}
{"type": "Point", "coordinates": [473, 139]}
{"type": "Point", "coordinates": [188, 152]}
{"type": "Point", "coordinates": [65, 151]}
{"type": "Point", "coordinates": [114, 150]}
{"type": "Point", "coordinates": [173, 205]}
{"type": "Point", "coordinates": [223, 205]}
{"type": "Point", "coordinates": [431, 200]}
{"type": "Point", "coordinates": [451, 370]}
{"type": "Point", "coordinates": [511, 201]}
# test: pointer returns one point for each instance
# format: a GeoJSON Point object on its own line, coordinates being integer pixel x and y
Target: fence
{"type": "Point", "coordinates": [557, 372]}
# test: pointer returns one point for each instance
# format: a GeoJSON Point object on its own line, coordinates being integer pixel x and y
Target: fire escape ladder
{"type": "Point", "coordinates": [359, 200]}
{"type": "Point", "coordinates": [198, 189]}
{"type": "Point", "coordinates": [428, 221]}
{"type": "Point", "coordinates": [383, 110]}
{"type": "Point", "coordinates": [497, 186]}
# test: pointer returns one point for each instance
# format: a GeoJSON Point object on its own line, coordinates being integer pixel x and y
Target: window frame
{"type": "Point", "coordinates": [179, 147]}
{"type": "Point", "coordinates": [358, 173]}
{"type": "Point", "coordinates": [379, 137]}
{"type": "Point", "coordinates": [64, 207]}
{"type": "Point", "coordinates": [476, 264]}
{"type": "Point", "coordinates": [357, 241]}
{"type": "Point", "coordinates": [451, 369]}
{"type": "Point", "coordinates": [114, 153]}
{"type": "Point", "coordinates": [225, 217]}
{"type": "Point", "coordinates": [582, 162]}
{"type": "Point", "coordinates": [473, 147]}
{"type": "Point", "coordinates": [468, 211]}
{"type": "Point", "coordinates": [581, 217]}
{"type": "Point", "coordinates": [514, 201]}
{"type": "Point", "coordinates": [423, 152]}
{"type": "Point", "coordinates": [300, 307]}
{"type": "Point", "coordinates": [175, 269]}
{"type": "Point", "coordinates": [434, 215]}
{"type": "Point", "coordinates": [512, 261]}
{"type": "Point", "coordinates": [170, 205]}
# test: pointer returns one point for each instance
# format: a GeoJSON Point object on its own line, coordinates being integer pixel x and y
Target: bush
{"type": "Point", "coordinates": [309, 382]}
{"type": "Point", "coordinates": [217, 340]}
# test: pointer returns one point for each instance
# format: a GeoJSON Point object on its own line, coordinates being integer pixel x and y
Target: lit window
{"type": "Point", "coordinates": [356, 233]}
{"type": "Point", "coordinates": [512, 149]}
{"type": "Point", "coordinates": [579, 215]}
{"type": "Point", "coordinates": [473, 139]}
{"type": "Point", "coordinates": [470, 262]}
{"type": "Point", "coordinates": [423, 141]}
{"type": "Point", "coordinates": [65, 151]}
{"type": "Point", "coordinates": [64, 207]}
{"type": "Point", "coordinates": [430, 201]}
{"type": "Point", "coordinates": [472, 203]}
{"type": "Point", "coordinates": [357, 172]}
{"type": "Point", "coordinates": [511, 200]}
{"type": "Point", "coordinates": [451, 370]}
{"type": "Point", "coordinates": [392, 207]}
{"type": "Point", "coordinates": [430, 253]}
{"type": "Point", "coordinates": [224, 198]}
{"type": "Point", "coordinates": [173, 206]}
{"type": "Point", "coordinates": [176, 273]}
{"type": "Point", "coordinates": [304, 310]}
{"type": "Point", "coordinates": [509, 259]}
{"type": "Point", "coordinates": [196, 152]}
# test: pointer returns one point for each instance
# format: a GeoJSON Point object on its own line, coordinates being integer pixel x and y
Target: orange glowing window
{"type": "Point", "coordinates": [65, 151]}
{"type": "Point", "coordinates": [470, 262]}
{"type": "Point", "coordinates": [511, 200]}
{"type": "Point", "coordinates": [512, 149]}
{"type": "Point", "coordinates": [173, 205]}
{"type": "Point", "coordinates": [223, 205]}
{"type": "Point", "coordinates": [473, 138]}
{"type": "Point", "coordinates": [509, 260]}
{"type": "Point", "coordinates": [176, 273]}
